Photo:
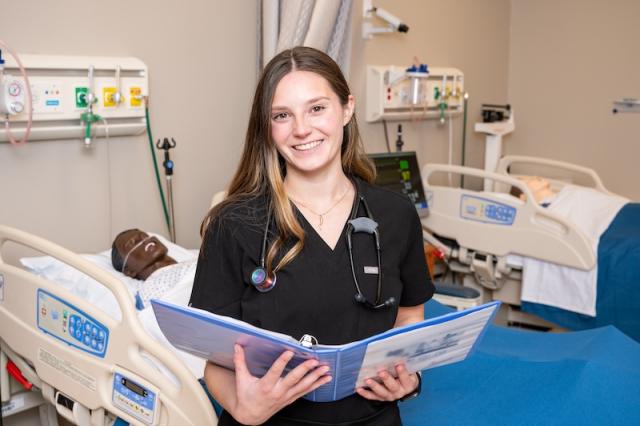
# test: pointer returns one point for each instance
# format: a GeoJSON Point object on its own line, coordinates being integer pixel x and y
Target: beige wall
{"type": "Point", "coordinates": [559, 63]}
{"type": "Point", "coordinates": [467, 34]}
{"type": "Point", "coordinates": [568, 61]}
{"type": "Point", "coordinates": [201, 60]}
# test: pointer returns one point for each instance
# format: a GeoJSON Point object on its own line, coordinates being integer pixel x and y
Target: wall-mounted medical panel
{"type": "Point", "coordinates": [62, 87]}
{"type": "Point", "coordinates": [395, 94]}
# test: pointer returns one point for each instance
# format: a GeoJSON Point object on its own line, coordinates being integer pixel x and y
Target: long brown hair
{"type": "Point", "coordinates": [262, 170]}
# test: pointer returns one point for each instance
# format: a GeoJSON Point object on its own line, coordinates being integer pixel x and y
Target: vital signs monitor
{"type": "Point", "coordinates": [399, 172]}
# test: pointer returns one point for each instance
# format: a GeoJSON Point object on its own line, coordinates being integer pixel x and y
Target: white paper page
{"type": "Point", "coordinates": [423, 348]}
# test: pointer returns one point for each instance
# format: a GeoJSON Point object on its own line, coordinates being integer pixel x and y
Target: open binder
{"type": "Point", "coordinates": [431, 343]}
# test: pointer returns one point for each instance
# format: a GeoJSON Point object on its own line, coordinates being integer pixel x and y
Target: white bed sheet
{"type": "Point", "coordinates": [563, 287]}
{"type": "Point", "coordinates": [90, 289]}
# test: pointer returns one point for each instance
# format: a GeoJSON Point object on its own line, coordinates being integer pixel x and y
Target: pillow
{"type": "Point", "coordinates": [86, 287]}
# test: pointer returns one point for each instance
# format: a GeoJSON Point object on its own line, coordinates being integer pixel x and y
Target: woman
{"type": "Point", "coordinates": [282, 252]}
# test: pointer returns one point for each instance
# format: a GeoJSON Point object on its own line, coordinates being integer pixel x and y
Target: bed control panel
{"type": "Point", "coordinates": [484, 210]}
{"type": "Point", "coordinates": [135, 399]}
{"type": "Point", "coordinates": [65, 322]}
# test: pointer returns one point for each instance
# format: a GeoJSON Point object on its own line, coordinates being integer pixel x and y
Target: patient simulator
{"type": "Point", "coordinates": [145, 257]}
{"type": "Point", "coordinates": [138, 254]}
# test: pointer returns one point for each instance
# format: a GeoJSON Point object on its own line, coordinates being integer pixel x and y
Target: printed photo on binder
{"type": "Point", "coordinates": [431, 343]}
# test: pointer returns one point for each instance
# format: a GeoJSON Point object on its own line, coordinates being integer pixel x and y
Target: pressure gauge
{"type": "Point", "coordinates": [14, 89]}
{"type": "Point", "coordinates": [12, 99]}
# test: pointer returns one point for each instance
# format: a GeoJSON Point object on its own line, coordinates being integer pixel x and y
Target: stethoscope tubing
{"type": "Point", "coordinates": [265, 283]}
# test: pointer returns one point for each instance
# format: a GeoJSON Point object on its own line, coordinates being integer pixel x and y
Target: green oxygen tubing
{"type": "Point", "coordinates": [155, 164]}
{"type": "Point", "coordinates": [464, 134]}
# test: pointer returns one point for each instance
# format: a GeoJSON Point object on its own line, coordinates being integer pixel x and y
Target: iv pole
{"type": "Point", "coordinates": [166, 145]}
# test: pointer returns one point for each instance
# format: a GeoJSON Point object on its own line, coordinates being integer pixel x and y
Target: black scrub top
{"type": "Point", "coordinates": [314, 294]}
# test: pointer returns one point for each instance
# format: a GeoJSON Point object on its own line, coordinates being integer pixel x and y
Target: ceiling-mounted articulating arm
{"type": "Point", "coordinates": [393, 22]}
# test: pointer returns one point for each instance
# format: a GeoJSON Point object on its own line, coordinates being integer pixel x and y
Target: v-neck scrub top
{"type": "Point", "coordinates": [314, 294]}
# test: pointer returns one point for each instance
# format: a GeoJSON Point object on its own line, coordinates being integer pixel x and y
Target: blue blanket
{"type": "Point", "coordinates": [517, 377]}
{"type": "Point", "coordinates": [618, 292]}
{"type": "Point", "coordinates": [520, 377]}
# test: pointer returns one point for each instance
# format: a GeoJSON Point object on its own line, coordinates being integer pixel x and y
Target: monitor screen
{"type": "Point", "coordinates": [399, 171]}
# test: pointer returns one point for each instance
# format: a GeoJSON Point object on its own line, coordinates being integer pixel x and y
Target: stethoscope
{"type": "Point", "coordinates": [364, 224]}
{"type": "Point", "coordinates": [259, 277]}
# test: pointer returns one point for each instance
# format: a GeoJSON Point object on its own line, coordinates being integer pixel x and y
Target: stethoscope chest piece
{"type": "Point", "coordinates": [261, 281]}
{"type": "Point", "coordinates": [259, 277]}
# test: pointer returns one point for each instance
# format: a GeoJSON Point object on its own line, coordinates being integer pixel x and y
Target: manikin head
{"type": "Point", "coordinates": [137, 254]}
{"type": "Point", "coordinates": [539, 187]}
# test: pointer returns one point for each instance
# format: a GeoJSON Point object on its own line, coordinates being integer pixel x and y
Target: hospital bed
{"type": "Point", "coordinates": [88, 364]}
{"type": "Point", "coordinates": [491, 238]}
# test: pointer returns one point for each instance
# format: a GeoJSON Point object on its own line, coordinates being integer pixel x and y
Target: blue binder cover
{"type": "Point", "coordinates": [431, 343]}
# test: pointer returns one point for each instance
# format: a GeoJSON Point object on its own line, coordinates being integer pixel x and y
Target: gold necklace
{"type": "Point", "coordinates": [320, 215]}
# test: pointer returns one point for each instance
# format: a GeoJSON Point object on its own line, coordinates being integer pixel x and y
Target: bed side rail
{"type": "Point", "coordinates": [591, 176]}
{"type": "Point", "coordinates": [72, 259]}
{"type": "Point", "coordinates": [82, 376]}
{"type": "Point", "coordinates": [521, 227]}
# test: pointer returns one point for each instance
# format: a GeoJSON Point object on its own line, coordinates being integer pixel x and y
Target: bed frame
{"type": "Point", "coordinates": [487, 251]}
{"type": "Point", "coordinates": [78, 383]}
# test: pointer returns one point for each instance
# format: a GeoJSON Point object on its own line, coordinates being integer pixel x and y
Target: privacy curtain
{"type": "Point", "coordinates": [322, 24]}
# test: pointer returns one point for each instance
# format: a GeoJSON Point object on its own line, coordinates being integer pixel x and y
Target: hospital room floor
{"type": "Point", "coordinates": [26, 418]}
{"type": "Point", "coordinates": [512, 317]}
{"type": "Point", "coordinates": [30, 418]}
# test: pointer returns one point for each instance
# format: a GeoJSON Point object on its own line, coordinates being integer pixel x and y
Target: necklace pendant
{"type": "Point", "coordinates": [321, 220]}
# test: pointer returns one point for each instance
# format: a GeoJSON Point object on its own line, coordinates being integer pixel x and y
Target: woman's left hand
{"type": "Point", "coordinates": [390, 388]}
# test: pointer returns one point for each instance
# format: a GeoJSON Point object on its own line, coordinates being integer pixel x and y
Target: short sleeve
{"type": "Point", "coordinates": [417, 286]}
{"type": "Point", "coordinates": [218, 285]}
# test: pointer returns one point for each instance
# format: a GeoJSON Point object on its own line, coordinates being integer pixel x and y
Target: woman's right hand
{"type": "Point", "coordinates": [257, 399]}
